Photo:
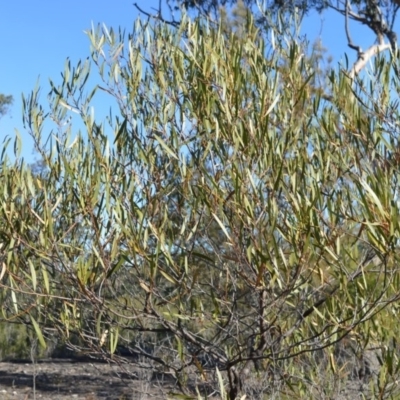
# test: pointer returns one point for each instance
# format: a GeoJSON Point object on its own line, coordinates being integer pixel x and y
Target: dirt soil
{"type": "Point", "coordinates": [61, 379]}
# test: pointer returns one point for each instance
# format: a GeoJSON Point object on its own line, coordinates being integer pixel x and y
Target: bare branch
{"type": "Point", "coordinates": [349, 40]}
{"type": "Point", "coordinates": [366, 56]}
{"type": "Point", "coordinates": [396, 7]}
{"type": "Point", "coordinates": [374, 20]}
{"type": "Point", "coordinates": [157, 16]}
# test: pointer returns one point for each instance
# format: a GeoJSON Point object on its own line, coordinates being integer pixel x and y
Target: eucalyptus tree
{"type": "Point", "coordinates": [221, 225]}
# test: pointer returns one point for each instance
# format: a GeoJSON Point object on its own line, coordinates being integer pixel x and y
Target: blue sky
{"type": "Point", "coordinates": [38, 36]}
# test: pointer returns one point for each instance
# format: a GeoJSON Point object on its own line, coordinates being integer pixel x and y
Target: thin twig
{"type": "Point", "coordinates": [346, 24]}
{"type": "Point", "coordinates": [158, 16]}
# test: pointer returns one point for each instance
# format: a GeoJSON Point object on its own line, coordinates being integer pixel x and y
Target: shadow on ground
{"type": "Point", "coordinates": [61, 379]}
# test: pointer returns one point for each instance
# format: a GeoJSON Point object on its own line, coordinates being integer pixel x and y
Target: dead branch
{"type": "Point", "coordinates": [366, 56]}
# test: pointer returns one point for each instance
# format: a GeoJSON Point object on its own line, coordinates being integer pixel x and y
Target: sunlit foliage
{"type": "Point", "coordinates": [224, 215]}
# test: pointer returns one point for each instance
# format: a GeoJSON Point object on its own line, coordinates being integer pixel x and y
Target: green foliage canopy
{"type": "Point", "coordinates": [234, 218]}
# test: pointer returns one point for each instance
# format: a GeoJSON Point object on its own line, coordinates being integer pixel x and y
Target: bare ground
{"type": "Point", "coordinates": [61, 379]}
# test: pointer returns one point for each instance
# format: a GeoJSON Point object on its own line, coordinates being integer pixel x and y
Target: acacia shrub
{"type": "Point", "coordinates": [222, 216]}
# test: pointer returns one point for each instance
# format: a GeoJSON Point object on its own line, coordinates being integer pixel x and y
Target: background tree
{"type": "Point", "coordinates": [378, 15]}
{"type": "Point", "coordinates": [5, 102]}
